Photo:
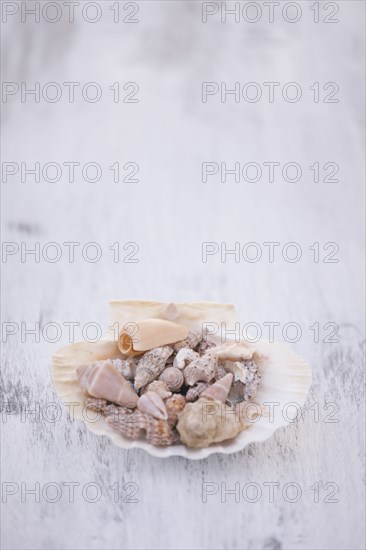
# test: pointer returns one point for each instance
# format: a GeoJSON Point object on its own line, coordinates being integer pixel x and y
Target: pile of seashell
{"type": "Point", "coordinates": [172, 386]}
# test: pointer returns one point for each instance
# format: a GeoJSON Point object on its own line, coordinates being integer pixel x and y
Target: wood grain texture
{"type": "Point", "coordinates": [169, 213]}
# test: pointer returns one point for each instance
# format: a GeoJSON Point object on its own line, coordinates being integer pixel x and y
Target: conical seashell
{"type": "Point", "coordinates": [205, 422]}
{"type": "Point", "coordinates": [173, 378]}
{"type": "Point", "coordinates": [219, 390]}
{"type": "Point", "coordinates": [200, 370]}
{"type": "Point", "coordinates": [174, 406]}
{"type": "Point", "coordinates": [100, 379]}
{"type": "Point", "coordinates": [151, 364]}
{"type": "Point", "coordinates": [104, 407]}
{"type": "Point", "coordinates": [126, 367]}
{"type": "Point", "coordinates": [159, 387]}
{"type": "Point", "coordinates": [184, 357]}
{"type": "Point", "coordinates": [193, 338]}
{"type": "Point", "coordinates": [158, 432]}
{"type": "Point", "coordinates": [152, 403]}
{"type": "Point", "coordinates": [149, 334]}
{"type": "Point", "coordinates": [129, 425]}
{"type": "Point", "coordinates": [196, 390]}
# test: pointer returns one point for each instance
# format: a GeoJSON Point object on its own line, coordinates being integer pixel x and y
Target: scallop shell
{"type": "Point", "coordinates": [173, 378]}
{"type": "Point", "coordinates": [126, 367]}
{"type": "Point", "coordinates": [196, 390]}
{"type": "Point", "coordinates": [105, 407]}
{"type": "Point", "coordinates": [219, 390]}
{"type": "Point", "coordinates": [174, 406]}
{"type": "Point", "coordinates": [151, 364]}
{"type": "Point", "coordinates": [286, 377]}
{"type": "Point", "coordinates": [100, 379]}
{"type": "Point", "coordinates": [200, 370]}
{"type": "Point", "coordinates": [205, 422]}
{"type": "Point", "coordinates": [191, 341]}
{"type": "Point", "coordinates": [159, 387]}
{"type": "Point", "coordinates": [184, 357]}
{"type": "Point", "coordinates": [151, 403]}
{"type": "Point", "coordinates": [149, 334]}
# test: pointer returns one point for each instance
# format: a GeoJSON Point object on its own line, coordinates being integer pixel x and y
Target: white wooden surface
{"type": "Point", "coordinates": [169, 213]}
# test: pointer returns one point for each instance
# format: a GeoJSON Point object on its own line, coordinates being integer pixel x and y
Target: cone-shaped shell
{"type": "Point", "coordinates": [100, 379]}
{"type": "Point", "coordinates": [219, 390]}
{"type": "Point", "coordinates": [173, 378]}
{"type": "Point", "coordinates": [152, 403]}
{"type": "Point", "coordinates": [148, 334]}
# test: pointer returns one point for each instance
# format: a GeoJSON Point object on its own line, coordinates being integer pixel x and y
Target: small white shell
{"type": "Point", "coordinates": [184, 357]}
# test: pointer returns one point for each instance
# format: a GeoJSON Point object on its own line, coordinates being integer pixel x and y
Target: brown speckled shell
{"type": "Point", "coordinates": [196, 390]}
{"type": "Point", "coordinates": [200, 370]}
{"type": "Point", "coordinates": [193, 339]}
{"type": "Point", "coordinates": [174, 406]}
{"type": "Point", "coordinates": [151, 364]}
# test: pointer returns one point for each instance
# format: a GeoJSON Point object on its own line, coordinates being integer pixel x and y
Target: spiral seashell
{"type": "Point", "coordinates": [158, 432]}
{"type": "Point", "coordinates": [194, 392]}
{"type": "Point", "coordinates": [151, 403]}
{"type": "Point", "coordinates": [174, 406]}
{"type": "Point", "coordinates": [151, 364]}
{"type": "Point", "coordinates": [105, 407]}
{"type": "Point", "coordinates": [191, 341]}
{"type": "Point", "coordinates": [131, 425]}
{"type": "Point", "coordinates": [173, 378]}
{"type": "Point", "coordinates": [184, 357]}
{"type": "Point", "coordinates": [159, 387]}
{"type": "Point", "coordinates": [219, 390]}
{"type": "Point", "coordinates": [200, 370]}
{"type": "Point", "coordinates": [126, 367]}
{"type": "Point", "coordinates": [100, 379]}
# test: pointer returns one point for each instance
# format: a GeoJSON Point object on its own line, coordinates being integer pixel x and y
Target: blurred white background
{"type": "Point", "coordinates": [169, 52]}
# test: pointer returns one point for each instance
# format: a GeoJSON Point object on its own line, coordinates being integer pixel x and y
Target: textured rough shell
{"type": "Point", "coordinates": [134, 426]}
{"type": "Point", "coordinates": [220, 372]}
{"type": "Point", "coordinates": [159, 387]}
{"type": "Point", "coordinates": [131, 426]}
{"type": "Point", "coordinates": [151, 365]}
{"type": "Point", "coordinates": [191, 341]}
{"type": "Point", "coordinates": [149, 334]}
{"type": "Point", "coordinates": [219, 390]}
{"type": "Point", "coordinates": [152, 403]}
{"type": "Point", "coordinates": [174, 406]}
{"type": "Point", "coordinates": [104, 407]}
{"type": "Point", "coordinates": [200, 370]}
{"type": "Point", "coordinates": [205, 422]}
{"type": "Point", "coordinates": [204, 346]}
{"type": "Point", "coordinates": [100, 379]}
{"type": "Point", "coordinates": [234, 351]}
{"type": "Point", "coordinates": [196, 390]}
{"type": "Point", "coordinates": [173, 378]}
{"type": "Point", "coordinates": [126, 367]}
{"type": "Point", "coordinates": [184, 357]}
